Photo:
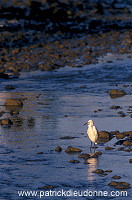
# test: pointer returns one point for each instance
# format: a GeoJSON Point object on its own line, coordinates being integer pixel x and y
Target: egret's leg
{"type": "Point", "coordinates": [91, 146]}
{"type": "Point", "coordinates": [91, 143]}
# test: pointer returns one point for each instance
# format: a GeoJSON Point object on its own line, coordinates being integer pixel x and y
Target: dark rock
{"type": "Point", "coordinates": [84, 155]}
{"type": "Point", "coordinates": [120, 142]}
{"type": "Point", "coordinates": [109, 148]}
{"type": "Point", "coordinates": [13, 102]}
{"type": "Point", "coordinates": [116, 93]}
{"type": "Point", "coordinates": [120, 136]}
{"type": "Point", "coordinates": [58, 149]}
{"type": "Point", "coordinates": [104, 136]}
{"type": "Point", "coordinates": [98, 153]}
{"type": "Point", "coordinates": [3, 75]}
{"type": "Point", "coordinates": [109, 170]}
{"type": "Point", "coordinates": [127, 143]}
{"type": "Point", "coordinates": [98, 171]}
{"type": "Point", "coordinates": [1, 113]}
{"type": "Point", "coordinates": [14, 112]}
{"type": "Point", "coordinates": [40, 152]}
{"type": "Point", "coordinates": [74, 161]}
{"type": "Point", "coordinates": [119, 185]}
{"type": "Point", "coordinates": [127, 150]}
{"type": "Point", "coordinates": [128, 133]}
{"type": "Point", "coordinates": [66, 137]}
{"type": "Point", "coordinates": [115, 107]}
{"type": "Point", "coordinates": [122, 115]}
{"type": "Point", "coordinates": [130, 160]}
{"type": "Point", "coordinates": [120, 149]}
{"type": "Point", "coordinates": [47, 187]}
{"type": "Point", "coordinates": [116, 177]}
{"type": "Point", "coordinates": [72, 150]}
{"type": "Point", "coordinates": [9, 87]}
{"type": "Point", "coordinates": [94, 156]}
{"type": "Point", "coordinates": [6, 122]}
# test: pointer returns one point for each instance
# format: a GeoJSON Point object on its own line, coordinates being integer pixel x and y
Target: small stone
{"type": "Point", "coordinates": [98, 153]}
{"type": "Point", "coordinates": [122, 115]}
{"type": "Point", "coordinates": [74, 161]}
{"type": "Point", "coordinates": [115, 107]}
{"type": "Point", "coordinates": [72, 150]}
{"type": "Point", "coordinates": [66, 137]}
{"type": "Point", "coordinates": [120, 142]}
{"type": "Point", "coordinates": [127, 143]}
{"type": "Point", "coordinates": [98, 171]}
{"type": "Point", "coordinates": [99, 109]}
{"type": "Point", "coordinates": [108, 170]}
{"type": "Point", "coordinates": [120, 149]}
{"type": "Point", "coordinates": [127, 150]}
{"type": "Point", "coordinates": [94, 156]}
{"type": "Point", "coordinates": [40, 152]}
{"type": "Point", "coordinates": [109, 148]}
{"type": "Point", "coordinates": [130, 160]}
{"type": "Point", "coordinates": [122, 186]}
{"type": "Point", "coordinates": [47, 187]}
{"type": "Point", "coordinates": [116, 93]}
{"type": "Point", "coordinates": [84, 155]}
{"type": "Point", "coordinates": [58, 149]}
{"type": "Point", "coordinates": [9, 87]}
{"type": "Point", "coordinates": [128, 133]}
{"type": "Point", "coordinates": [116, 177]}
{"type": "Point", "coordinates": [14, 112]}
{"type": "Point", "coordinates": [119, 185]}
{"type": "Point", "coordinates": [13, 102]}
{"type": "Point", "coordinates": [6, 122]}
{"type": "Point", "coordinates": [120, 136]}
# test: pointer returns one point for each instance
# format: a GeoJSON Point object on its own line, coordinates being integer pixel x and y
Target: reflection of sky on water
{"type": "Point", "coordinates": [93, 165]}
{"type": "Point", "coordinates": [47, 115]}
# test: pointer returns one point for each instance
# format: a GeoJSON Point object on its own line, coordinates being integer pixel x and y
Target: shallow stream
{"type": "Point", "coordinates": [58, 103]}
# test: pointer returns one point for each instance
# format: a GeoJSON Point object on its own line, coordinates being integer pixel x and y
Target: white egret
{"type": "Point", "coordinates": [92, 132]}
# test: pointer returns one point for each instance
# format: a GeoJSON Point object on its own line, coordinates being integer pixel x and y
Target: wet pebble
{"type": "Point", "coordinates": [99, 171]}
{"type": "Point", "coordinates": [73, 150]}
{"type": "Point", "coordinates": [120, 136]}
{"type": "Point", "coordinates": [121, 149]}
{"type": "Point", "coordinates": [6, 122]}
{"type": "Point", "coordinates": [74, 161]}
{"type": "Point", "coordinates": [108, 170]}
{"type": "Point", "coordinates": [58, 149]}
{"type": "Point", "coordinates": [119, 185]}
{"type": "Point", "coordinates": [66, 137]}
{"type": "Point", "coordinates": [127, 143]}
{"type": "Point", "coordinates": [47, 187]}
{"type": "Point", "coordinates": [109, 148]}
{"type": "Point", "coordinates": [13, 102]}
{"type": "Point", "coordinates": [9, 87]}
{"type": "Point", "coordinates": [84, 156]}
{"type": "Point", "coordinates": [40, 152]}
{"type": "Point", "coordinates": [116, 177]}
{"type": "Point", "coordinates": [116, 93]}
{"type": "Point", "coordinates": [115, 107]}
{"type": "Point", "coordinates": [128, 133]}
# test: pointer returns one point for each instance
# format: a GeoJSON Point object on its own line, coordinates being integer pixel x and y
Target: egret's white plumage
{"type": "Point", "coordinates": [92, 132]}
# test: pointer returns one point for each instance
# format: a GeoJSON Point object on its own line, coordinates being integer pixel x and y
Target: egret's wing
{"type": "Point", "coordinates": [95, 130]}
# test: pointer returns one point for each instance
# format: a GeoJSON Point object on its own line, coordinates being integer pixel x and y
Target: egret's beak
{"type": "Point", "coordinates": [85, 123]}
